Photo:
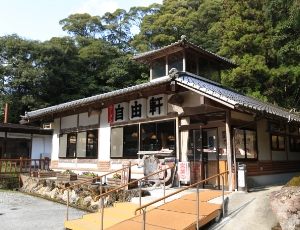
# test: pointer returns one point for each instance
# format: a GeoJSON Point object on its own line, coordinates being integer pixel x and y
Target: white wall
{"type": "Point", "coordinates": [241, 116]}
{"type": "Point", "coordinates": [69, 122]}
{"type": "Point", "coordinates": [55, 140]}
{"type": "Point", "coordinates": [85, 120]}
{"type": "Point", "coordinates": [263, 141]}
{"type": "Point", "coordinates": [104, 137]}
{"type": "Point", "coordinates": [38, 147]}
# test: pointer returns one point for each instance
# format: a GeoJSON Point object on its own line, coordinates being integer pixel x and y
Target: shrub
{"type": "Point", "coordinates": [88, 174]}
{"type": "Point", "coordinates": [117, 176]}
{"type": "Point", "coordinates": [67, 172]}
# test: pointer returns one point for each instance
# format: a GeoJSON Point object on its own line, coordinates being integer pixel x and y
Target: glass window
{"type": "Point", "coordinates": [131, 137]}
{"type": "Point", "coordinates": [245, 144]}
{"type": "Point", "coordinates": [124, 141]}
{"type": "Point", "coordinates": [278, 142]}
{"type": "Point", "coordinates": [82, 144]}
{"type": "Point", "coordinates": [116, 143]}
{"type": "Point", "coordinates": [157, 136]}
{"type": "Point", "coordinates": [152, 136]}
{"type": "Point", "coordinates": [294, 144]}
{"type": "Point", "coordinates": [71, 145]}
{"type": "Point", "coordinates": [92, 143]}
{"type": "Point", "coordinates": [16, 147]}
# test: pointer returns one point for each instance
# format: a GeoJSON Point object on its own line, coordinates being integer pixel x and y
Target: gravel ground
{"type": "Point", "coordinates": [21, 211]}
{"type": "Point", "coordinates": [249, 211]}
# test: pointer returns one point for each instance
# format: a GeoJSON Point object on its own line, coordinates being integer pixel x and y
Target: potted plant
{"type": "Point", "coordinates": [66, 175]}
{"type": "Point", "coordinates": [115, 180]}
{"type": "Point", "coordinates": [46, 173]}
{"type": "Point", "coordinates": [86, 176]}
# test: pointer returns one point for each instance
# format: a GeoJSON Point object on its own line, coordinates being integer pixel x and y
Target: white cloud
{"type": "Point", "coordinates": [96, 7]}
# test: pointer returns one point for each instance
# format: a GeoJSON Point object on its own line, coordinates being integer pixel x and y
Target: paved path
{"type": "Point", "coordinates": [21, 211]}
{"type": "Point", "coordinates": [249, 211]}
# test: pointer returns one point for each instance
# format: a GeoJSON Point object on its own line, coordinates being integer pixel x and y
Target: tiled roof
{"type": "Point", "coordinates": [88, 100]}
{"type": "Point", "coordinates": [232, 98]}
{"type": "Point", "coordinates": [183, 39]}
{"type": "Point", "coordinates": [193, 82]}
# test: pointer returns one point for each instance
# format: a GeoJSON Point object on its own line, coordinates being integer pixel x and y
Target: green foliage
{"type": "Point", "coordinates": [12, 178]}
{"type": "Point", "coordinates": [67, 171]}
{"type": "Point", "coordinates": [82, 25]}
{"type": "Point", "coordinates": [295, 181]}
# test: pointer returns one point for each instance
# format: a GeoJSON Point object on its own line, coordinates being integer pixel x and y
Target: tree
{"type": "Point", "coordinates": [199, 25]}
{"type": "Point", "coordinates": [83, 25]}
{"type": "Point", "coordinates": [246, 39]}
{"type": "Point", "coordinates": [20, 75]}
{"type": "Point", "coordinates": [117, 29]}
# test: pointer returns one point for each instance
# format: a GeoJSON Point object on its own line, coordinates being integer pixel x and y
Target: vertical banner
{"type": "Point", "coordinates": [110, 114]}
{"type": "Point", "coordinates": [184, 171]}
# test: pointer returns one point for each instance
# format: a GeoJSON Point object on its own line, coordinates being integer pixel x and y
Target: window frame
{"type": "Point", "coordinates": [244, 145]}
{"type": "Point", "coordinates": [65, 145]}
{"type": "Point", "coordinates": [117, 142]}
{"type": "Point", "coordinates": [295, 148]}
{"type": "Point", "coordinates": [277, 148]}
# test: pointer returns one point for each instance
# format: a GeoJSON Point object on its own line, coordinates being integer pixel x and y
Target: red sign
{"type": "Point", "coordinates": [111, 114]}
{"type": "Point", "coordinates": [183, 171]}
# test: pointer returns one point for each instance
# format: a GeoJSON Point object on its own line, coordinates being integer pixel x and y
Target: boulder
{"type": "Point", "coordinates": [285, 204]}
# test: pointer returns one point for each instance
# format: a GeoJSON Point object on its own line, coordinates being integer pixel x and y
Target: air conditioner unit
{"type": "Point", "coordinates": [50, 125]}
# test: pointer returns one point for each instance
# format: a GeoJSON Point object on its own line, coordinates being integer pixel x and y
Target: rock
{"type": "Point", "coordinates": [286, 206]}
{"type": "Point", "coordinates": [87, 201]}
{"type": "Point", "coordinates": [82, 195]}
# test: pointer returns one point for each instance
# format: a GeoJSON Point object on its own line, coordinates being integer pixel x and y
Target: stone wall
{"type": "Point", "coordinates": [81, 196]}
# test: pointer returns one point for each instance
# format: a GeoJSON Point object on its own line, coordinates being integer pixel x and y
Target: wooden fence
{"type": "Point", "coordinates": [10, 169]}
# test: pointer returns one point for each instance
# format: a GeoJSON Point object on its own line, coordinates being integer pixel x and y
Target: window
{"type": "Point", "coordinates": [82, 144]}
{"type": "Point", "coordinates": [124, 141]}
{"type": "Point", "coordinates": [294, 144]}
{"type": "Point", "coordinates": [245, 144]}
{"type": "Point", "coordinates": [277, 142]}
{"type": "Point", "coordinates": [152, 136]}
{"type": "Point", "coordinates": [158, 135]}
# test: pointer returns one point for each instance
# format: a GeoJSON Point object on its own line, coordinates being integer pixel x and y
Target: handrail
{"type": "Point", "coordinates": [197, 199]}
{"type": "Point", "coordinates": [180, 190]}
{"type": "Point", "coordinates": [95, 178]}
{"type": "Point", "coordinates": [86, 181]}
{"type": "Point", "coordinates": [123, 186]}
{"type": "Point", "coordinates": [22, 165]}
{"type": "Point", "coordinates": [129, 183]}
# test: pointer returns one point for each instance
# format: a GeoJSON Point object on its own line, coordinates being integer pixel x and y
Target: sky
{"type": "Point", "coordinates": [39, 19]}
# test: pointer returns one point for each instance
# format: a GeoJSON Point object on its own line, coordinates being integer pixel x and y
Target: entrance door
{"type": "Point", "coordinates": [201, 154]}
{"type": "Point", "coordinates": [210, 158]}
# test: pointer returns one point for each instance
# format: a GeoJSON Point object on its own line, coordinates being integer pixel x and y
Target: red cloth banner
{"type": "Point", "coordinates": [111, 114]}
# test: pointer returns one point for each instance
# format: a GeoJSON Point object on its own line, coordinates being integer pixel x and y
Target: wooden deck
{"type": "Point", "coordinates": [177, 214]}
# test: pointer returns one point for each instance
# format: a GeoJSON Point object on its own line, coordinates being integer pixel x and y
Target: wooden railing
{"type": "Point", "coordinates": [12, 168]}
{"type": "Point", "coordinates": [125, 185]}
{"type": "Point", "coordinates": [183, 189]}
{"type": "Point", "coordinates": [91, 180]}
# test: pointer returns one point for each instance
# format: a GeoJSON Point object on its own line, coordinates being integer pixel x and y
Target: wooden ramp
{"type": "Point", "coordinates": [177, 214]}
{"type": "Point", "coordinates": [112, 216]}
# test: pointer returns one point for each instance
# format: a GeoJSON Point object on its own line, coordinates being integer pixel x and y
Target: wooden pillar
{"type": "Point", "coordinates": [6, 113]}
{"type": "Point", "coordinates": [228, 148]}
{"type": "Point", "coordinates": [177, 138]}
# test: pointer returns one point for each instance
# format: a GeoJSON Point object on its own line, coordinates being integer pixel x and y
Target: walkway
{"type": "Point", "coordinates": [177, 213]}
